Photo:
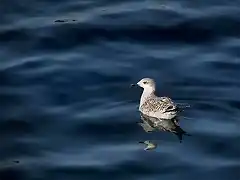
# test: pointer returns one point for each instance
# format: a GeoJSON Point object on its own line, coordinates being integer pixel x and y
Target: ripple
{"type": "Point", "coordinates": [66, 108]}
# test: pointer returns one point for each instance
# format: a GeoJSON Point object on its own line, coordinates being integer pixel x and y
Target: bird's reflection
{"type": "Point", "coordinates": [150, 124]}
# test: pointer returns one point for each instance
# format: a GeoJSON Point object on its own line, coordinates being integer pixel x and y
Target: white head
{"type": "Point", "coordinates": [147, 84]}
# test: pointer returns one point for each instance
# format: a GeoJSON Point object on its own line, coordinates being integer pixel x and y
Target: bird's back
{"type": "Point", "coordinates": [159, 107]}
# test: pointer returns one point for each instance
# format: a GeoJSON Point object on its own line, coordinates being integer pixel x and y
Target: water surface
{"type": "Point", "coordinates": [66, 108]}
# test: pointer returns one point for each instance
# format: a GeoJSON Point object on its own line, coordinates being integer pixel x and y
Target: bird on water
{"type": "Point", "coordinates": [161, 113]}
{"type": "Point", "coordinates": [154, 106]}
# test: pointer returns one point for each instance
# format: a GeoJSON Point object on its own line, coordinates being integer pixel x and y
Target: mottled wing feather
{"type": "Point", "coordinates": [159, 104]}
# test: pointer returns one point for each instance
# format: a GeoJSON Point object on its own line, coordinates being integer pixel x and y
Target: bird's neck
{"type": "Point", "coordinates": [146, 93]}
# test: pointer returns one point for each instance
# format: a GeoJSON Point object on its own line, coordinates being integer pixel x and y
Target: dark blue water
{"type": "Point", "coordinates": [67, 112]}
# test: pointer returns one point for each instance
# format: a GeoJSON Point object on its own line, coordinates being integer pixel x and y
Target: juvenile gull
{"type": "Point", "coordinates": [154, 106]}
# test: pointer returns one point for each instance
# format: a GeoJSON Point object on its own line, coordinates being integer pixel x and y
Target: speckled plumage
{"type": "Point", "coordinates": [154, 106]}
{"type": "Point", "coordinates": [159, 107]}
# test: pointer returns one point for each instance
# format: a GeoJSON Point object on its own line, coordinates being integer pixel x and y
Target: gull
{"type": "Point", "coordinates": [154, 106]}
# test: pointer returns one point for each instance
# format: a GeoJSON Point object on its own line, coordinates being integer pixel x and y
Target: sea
{"type": "Point", "coordinates": [67, 111]}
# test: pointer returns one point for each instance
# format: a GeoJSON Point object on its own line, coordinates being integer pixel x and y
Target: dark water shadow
{"type": "Point", "coordinates": [152, 124]}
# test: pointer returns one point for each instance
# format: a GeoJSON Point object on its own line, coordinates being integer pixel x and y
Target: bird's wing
{"type": "Point", "coordinates": [165, 104]}
{"type": "Point", "coordinates": [158, 104]}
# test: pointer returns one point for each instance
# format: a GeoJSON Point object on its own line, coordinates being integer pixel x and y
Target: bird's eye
{"type": "Point", "coordinates": [145, 82]}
